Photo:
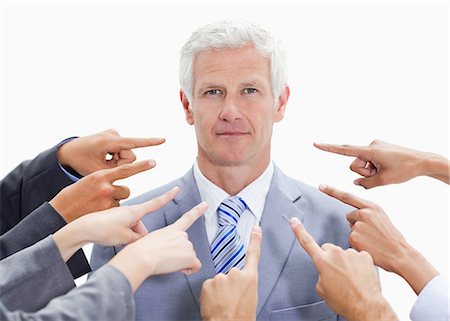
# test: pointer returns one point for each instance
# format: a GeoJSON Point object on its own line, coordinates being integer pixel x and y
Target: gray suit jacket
{"type": "Point", "coordinates": [287, 276]}
{"type": "Point", "coordinates": [32, 277]}
{"type": "Point", "coordinates": [106, 296]}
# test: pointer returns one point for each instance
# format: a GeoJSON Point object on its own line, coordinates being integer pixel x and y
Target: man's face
{"type": "Point", "coordinates": [233, 108]}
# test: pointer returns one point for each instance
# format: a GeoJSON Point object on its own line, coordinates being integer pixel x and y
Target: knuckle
{"type": "Point", "coordinates": [351, 251]}
{"type": "Point", "coordinates": [106, 190]}
{"type": "Point", "coordinates": [158, 201]}
{"type": "Point", "coordinates": [208, 283]}
{"type": "Point", "coordinates": [375, 206]}
{"type": "Point", "coordinates": [220, 277]}
{"type": "Point", "coordinates": [353, 240]}
{"type": "Point", "coordinates": [327, 246]}
{"type": "Point", "coordinates": [113, 131]}
{"type": "Point", "coordinates": [96, 177]}
{"type": "Point", "coordinates": [320, 260]}
{"type": "Point", "coordinates": [306, 240]}
{"type": "Point", "coordinates": [357, 225]}
{"type": "Point", "coordinates": [126, 170]}
{"type": "Point", "coordinates": [366, 255]}
{"type": "Point", "coordinates": [346, 196]}
{"type": "Point", "coordinates": [234, 271]}
{"type": "Point", "coordinates": [319, 288]}
{"type": "Point", "coordinates": [363, 215]}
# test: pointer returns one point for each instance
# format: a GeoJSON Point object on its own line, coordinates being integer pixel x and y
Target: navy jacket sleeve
{"type": "Point", "coordinates": [26, 188]}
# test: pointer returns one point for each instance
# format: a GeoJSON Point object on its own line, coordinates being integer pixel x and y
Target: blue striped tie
{"type": "Point", "coordinates": [227, 248]}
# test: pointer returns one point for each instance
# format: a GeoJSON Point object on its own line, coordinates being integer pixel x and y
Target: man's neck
{"type": "Point", "coordinates": [232, 179]}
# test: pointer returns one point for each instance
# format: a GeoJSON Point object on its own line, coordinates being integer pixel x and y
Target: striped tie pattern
{"type": "Point", "coordinates": [227, 248]}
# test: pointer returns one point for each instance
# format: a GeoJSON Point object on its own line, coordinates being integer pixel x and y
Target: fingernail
{"type": "Point", "coordinates": [322, 187]}
{"type": "Point", "coordinates": [294, 221]}
{"type": "Point", "coordinates": [152, 162]}
{"type": "Point", "coordinates": [286, 218]}
{"type": "Point", "coordinates": [256, 229]}
{"type": "Point", "coordinates": [356, 182]}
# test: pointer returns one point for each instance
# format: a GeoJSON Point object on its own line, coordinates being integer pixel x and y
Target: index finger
{"type": "Point", "coordinates": [347, 150]}
{"type": "Point", "coordinates": [305, 239]}
{"type": "Point", "coordinates": [155, 203]}
{"type": "Point", "coordinates": [185, 222]}
{"type": "Point", "coordinates": [130, 142]}
{"type": "Point", "coordinates": [345, 197]}
{"type": "Point", "coordinates": [130, 169]}
{"type": "Point", "coordinates": [253, 250]}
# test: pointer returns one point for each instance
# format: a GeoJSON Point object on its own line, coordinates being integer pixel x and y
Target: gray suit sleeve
{"type": "Point", "coordinates": [105, 296]}
{"type": "Point", "coordinates": [32, 277]}
{"type": "Point", "coordinates": [39, 224]}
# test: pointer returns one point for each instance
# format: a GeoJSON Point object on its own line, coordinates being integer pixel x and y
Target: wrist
{"type": "Point", "coordinates": [69, 239]}
{"type": "Point", "coordinates": [64, 205]}
{"type": "Point", "coordinates": [61, 153]}
{"type": "Point", "coordinates": [415, 269]}
{"type": "Point", "coordinates": [133, 266]}
{"type": "Point", "coordinates": [373, 308]}
{"type": "Point", "coordinates": [436, 166]}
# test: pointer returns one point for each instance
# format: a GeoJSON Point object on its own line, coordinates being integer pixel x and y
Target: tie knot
{"type": "Point", "coordinates": [230, 210]}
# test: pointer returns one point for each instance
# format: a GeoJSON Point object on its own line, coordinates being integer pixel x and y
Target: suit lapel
{"type": "Point", "coordinates": [183, 202]}
{"type": "Point", "coordinates": [277, 235]}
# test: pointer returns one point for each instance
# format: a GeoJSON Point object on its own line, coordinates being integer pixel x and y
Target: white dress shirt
{"type": "Point", "coordinates": [432, 302]}
{"type": "Point", "coordinates": [254, 196]}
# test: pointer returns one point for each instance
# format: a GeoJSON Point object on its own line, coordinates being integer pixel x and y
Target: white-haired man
{"type": "Point", "coordinates": [233, 89]}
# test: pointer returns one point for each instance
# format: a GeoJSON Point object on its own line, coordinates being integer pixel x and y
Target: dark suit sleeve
{"type": "Point", "coordinates": [23, 190]}
{"type": "Point", "coordinates": [28, 186]}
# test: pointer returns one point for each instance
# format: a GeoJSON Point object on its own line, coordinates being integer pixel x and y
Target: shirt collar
{"type": "Point", "coordinates": [253, 194]}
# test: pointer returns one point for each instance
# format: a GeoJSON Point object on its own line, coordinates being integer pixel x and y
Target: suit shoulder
{"type": "Point", "coordinates": [155, 192]}
{"type": "Point", "coordinates": [316, 201]}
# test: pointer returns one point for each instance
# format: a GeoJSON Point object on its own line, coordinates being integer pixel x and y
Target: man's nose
{"type": "Point", "coordinates": [230, 110]}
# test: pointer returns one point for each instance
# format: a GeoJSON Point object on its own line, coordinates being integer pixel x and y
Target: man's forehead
{"type": "Point", "coordinates": [245, 63]}
{"type": "Point", "coordinates": [247, 55]}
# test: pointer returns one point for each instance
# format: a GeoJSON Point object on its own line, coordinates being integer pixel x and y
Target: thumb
{"type": "Point", "coordinates": [368, 182]}
{"type": "Point", "coordinates": [254, 250]}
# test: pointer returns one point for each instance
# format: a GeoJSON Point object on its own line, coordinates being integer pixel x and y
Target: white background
{"type": "Point", "coordinates": [358, 71]}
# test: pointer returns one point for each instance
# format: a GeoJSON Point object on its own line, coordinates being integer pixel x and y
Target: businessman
{"type": "Point", "coordinates": [233, 90]}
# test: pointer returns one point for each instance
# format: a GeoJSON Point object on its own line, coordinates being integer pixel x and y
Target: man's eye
{"type": "Point", "coordinates": [213, 92]}
{"type": "Point", "coordinates": [250, 91]}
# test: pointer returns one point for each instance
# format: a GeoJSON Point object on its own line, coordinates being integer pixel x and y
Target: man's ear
{"type": "Point", "coordinates": [281, 104]}
{"type": "Point", "coordinates": [187, 108]}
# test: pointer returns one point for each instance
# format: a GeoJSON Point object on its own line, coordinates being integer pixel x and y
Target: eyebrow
{"type": "Point", "coordinates": [252, 84]}
{"type": "Point", "coordinates": [212, 85]}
